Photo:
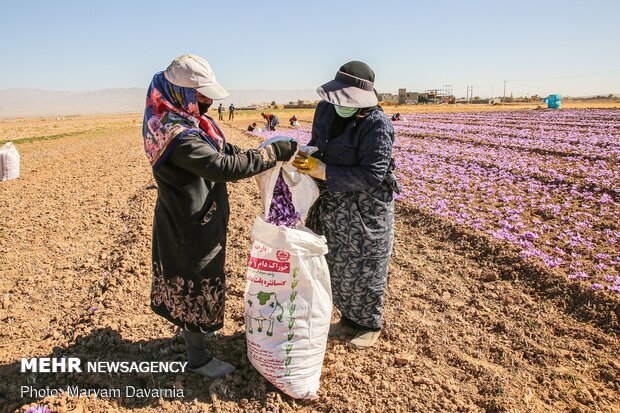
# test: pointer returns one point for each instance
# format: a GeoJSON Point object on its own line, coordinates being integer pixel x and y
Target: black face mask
{"type": "Point", "coordinates": [203, 108]}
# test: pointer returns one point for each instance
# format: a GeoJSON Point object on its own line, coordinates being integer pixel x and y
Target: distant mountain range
{"type": "Point", "coordinates": [40, 102]}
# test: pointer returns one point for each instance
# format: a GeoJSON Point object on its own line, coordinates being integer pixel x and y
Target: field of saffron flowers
{"type": "Point", "coordinates": [545, 181]}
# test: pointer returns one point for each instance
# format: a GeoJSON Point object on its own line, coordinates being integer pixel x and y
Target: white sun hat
{"type": "Point", "coordinates": [193, 71]}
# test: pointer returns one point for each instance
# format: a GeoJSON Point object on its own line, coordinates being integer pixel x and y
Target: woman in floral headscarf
{"type": "Point", "coordinates": [191, 163]}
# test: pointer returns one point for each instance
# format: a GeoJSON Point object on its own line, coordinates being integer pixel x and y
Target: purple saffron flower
{"type": "Point", "coordinates": [579, 275]}
{"type": "Point", "coordinates": [39, 409]}
{"type": "Point", "coordinates": [529, 235]}
{"type": "Point", "coordinates": [600, 267]}
{"type": "Point", "coordinates": [596, 286]}
{"type": "Point", "coordinates": [605, 199]}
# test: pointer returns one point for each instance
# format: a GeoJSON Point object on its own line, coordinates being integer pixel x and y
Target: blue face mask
{"type": "Point", "coordinates": [345, 112]}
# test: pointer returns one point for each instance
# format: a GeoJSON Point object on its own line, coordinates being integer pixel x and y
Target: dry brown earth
{"type": "Point", "coordinates": [464, 331]}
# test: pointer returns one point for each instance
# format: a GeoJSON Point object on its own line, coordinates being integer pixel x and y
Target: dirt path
{"type": "Point", "coordinates": [460, 335]}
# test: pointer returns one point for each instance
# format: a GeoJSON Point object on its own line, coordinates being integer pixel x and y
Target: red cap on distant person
{"type": "Point", "coordinates": [193, 71]}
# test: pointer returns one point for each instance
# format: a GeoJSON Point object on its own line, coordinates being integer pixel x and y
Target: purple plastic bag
{"type": "Point", "coordinates": [282, 211]}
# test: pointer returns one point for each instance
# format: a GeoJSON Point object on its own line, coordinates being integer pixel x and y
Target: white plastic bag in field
{"type": "Point", "coordinates": [287, 299]}
{"type": "Point", "coordinates": [9, 162]}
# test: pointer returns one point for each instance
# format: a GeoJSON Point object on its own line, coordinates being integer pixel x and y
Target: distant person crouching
{"type": "Point", "coordinates": [272, 120]}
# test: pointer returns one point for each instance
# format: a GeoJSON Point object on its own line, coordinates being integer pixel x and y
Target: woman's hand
{"type": "Point", "coordinates": [309, 165]}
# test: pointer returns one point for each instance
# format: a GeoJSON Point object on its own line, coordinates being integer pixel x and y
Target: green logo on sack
{"type": "Point", "coordinates": [291, 322]}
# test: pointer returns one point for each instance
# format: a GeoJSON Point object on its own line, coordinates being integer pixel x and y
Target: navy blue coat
{"type": "Point", "coordinates": [356, 211]}
{"type": "Point", "coordinates": [357, 159]}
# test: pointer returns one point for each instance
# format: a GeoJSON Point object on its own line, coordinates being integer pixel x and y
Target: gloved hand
{"type": "Point", "coordinates": [232, 149]}
{"type": "Point", "coordinates": [284, 150]}
{"type": "Point", "coordinates": [309, 165]}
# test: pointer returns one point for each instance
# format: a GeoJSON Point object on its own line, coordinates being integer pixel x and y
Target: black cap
{"type": "Point", "coordinates": [353, 86]}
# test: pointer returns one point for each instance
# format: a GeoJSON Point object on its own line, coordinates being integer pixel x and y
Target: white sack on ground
{"type": "Point", "coordinates": [9, 162]}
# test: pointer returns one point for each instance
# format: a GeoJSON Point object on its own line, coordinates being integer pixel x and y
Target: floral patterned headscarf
{"type": "Point", "coordinates": [172, 112]}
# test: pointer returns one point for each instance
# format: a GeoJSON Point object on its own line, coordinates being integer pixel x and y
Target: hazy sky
{"type": "Point", "coordinates": [568, 47]}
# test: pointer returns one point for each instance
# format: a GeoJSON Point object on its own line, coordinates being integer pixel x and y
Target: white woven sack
{"type": "Point", "coordinates": [288, 306]}
{"type": "Point", "coordinates": [288, 300]}
{"type": "Point", "coordinates": [9, 162]}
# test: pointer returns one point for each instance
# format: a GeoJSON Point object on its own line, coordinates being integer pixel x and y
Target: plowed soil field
{"type": "Point", "coordinates": [470, 324]}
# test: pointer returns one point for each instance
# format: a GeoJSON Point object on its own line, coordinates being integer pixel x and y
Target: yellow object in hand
{"type": "Point", "coordinates": [309, 165]}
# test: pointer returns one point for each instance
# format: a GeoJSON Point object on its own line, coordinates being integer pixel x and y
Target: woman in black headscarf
{"type": "Point", "coordinates": [355, 211]}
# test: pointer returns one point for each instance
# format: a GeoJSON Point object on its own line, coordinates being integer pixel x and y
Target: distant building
{"type": "Point", "coordinates": [301, 104]}
{"type": "Point", "coordinates": [443, 95]}
{"type": "Point", "coordinates": [387, 98]}
{"type": "Point", "coordinates": [405, 97]}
